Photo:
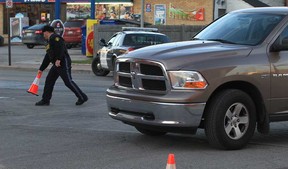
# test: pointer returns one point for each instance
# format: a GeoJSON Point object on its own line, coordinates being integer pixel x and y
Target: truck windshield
{"type": "Point", "coordinates": [241, 28]}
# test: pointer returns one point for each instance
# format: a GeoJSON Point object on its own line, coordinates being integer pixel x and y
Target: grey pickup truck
{"type": "Point", "coordinates": [230, 79]}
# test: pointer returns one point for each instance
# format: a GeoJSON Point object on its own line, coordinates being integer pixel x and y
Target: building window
{"type": "Point", "coordinates": [103, 11]}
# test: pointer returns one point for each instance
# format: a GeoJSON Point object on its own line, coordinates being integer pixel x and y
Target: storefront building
{"type": "Point", "coordinates": [175, 12]}
{"type": "Point", "coordinates": [37, 11]}
{"type": "Point", "coordinates": [164, 12]}
{"type": "Point", "coordinates": [167, 12]}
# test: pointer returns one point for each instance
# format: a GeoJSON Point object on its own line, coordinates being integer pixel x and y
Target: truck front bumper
{"type": "Point", "coordinates": [169, 117]}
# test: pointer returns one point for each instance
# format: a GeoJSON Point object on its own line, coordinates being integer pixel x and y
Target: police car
{"type": "Point", "coordinates": [129, 39]}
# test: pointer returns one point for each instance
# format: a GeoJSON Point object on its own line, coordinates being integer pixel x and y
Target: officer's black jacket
{"type": "Point", "coordinates": [55, 50]}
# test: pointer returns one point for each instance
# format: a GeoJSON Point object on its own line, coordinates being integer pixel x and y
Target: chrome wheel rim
{"type": "Point", "coordinates": [236, 121]}
{"type": "Point", "coordinates": [99, 66]}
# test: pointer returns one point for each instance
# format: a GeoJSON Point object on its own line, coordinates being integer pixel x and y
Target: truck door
{"type": "Point", "coordinates": [279, 78]}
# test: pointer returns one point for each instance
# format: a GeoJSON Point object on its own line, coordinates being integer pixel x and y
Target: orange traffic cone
{"type": "Point", "coordinates": [171, 162]}
{"type": "Point", "coordinates": [34, 86]}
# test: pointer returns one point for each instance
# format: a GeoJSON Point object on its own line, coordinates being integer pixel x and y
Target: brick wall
{"type": "Point", "coordinates": [189, 7]}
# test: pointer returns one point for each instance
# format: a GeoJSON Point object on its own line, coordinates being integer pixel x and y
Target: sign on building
{"type": "Point", "coordinates": [9, 3]}
{"type": "Point", "coordinates": [58, 26]}
{"type": "Point", "coordinates": [160, 14]}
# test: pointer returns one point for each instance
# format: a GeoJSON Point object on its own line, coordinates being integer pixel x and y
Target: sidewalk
{"type": "Point", "coordinates": [80, 68]}
{"type": "Point", "coordinates": [31, 59]}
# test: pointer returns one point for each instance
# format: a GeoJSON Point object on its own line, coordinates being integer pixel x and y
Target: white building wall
{"type": "Point", "coordinates": [1, 19]}
{"type": "Point", "coordinates": [233, 5]}
{"type": "Point", "coordinates": [240, 4]}
{"type": "Point", "coordinates": [274, 2]}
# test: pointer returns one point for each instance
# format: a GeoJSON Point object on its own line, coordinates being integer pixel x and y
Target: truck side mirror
{"type": "Point", "coordinates": [280, 45]}
{"type": "Point", "coordinates": [285, 43]}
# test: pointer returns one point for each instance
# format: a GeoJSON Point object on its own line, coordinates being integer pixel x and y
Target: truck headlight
{"type": "Point", "coordinates": [187, 80]}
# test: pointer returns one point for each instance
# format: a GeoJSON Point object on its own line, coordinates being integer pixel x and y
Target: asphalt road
{"type": "Point", "coordinates": [65, 136]}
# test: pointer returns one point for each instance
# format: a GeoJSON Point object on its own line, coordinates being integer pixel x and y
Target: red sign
{"type": "Point", "coordinates": [89, 44]}
{"type": "Point", "coordinates": [9, 3]}
{"type": "Point", "coordinates": [58, 26]}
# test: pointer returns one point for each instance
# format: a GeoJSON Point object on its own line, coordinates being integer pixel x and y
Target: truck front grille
{"type": "Point", "coordinates": [125, 81]}
{"type": "Point", "coordinates": [135, 74]}
{"type": "Point", "coordinates": [151, 70]}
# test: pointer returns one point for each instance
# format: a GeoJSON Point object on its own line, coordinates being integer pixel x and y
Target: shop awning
{"type": "Point", "coordinates": [99, 1]}
{"type": "Point", "coordinates": [69, 1]}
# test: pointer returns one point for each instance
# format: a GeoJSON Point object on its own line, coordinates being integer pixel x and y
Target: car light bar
{"type": "Point", "coordinates": [139, 29]}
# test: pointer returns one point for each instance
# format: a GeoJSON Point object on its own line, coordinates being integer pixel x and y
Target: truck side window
{"type": "Point", "coordinates": [281, 42]}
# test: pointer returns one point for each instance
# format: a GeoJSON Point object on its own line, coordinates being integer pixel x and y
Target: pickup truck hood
{"type": "Point", "coordinates": [192, 53]}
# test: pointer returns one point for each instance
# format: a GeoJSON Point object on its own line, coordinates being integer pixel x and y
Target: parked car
{"type": "Point", "coordinates": [229, 80]}
{"type": "Point", "coordinates": [33, 35]}
{"type": "Point", "coordinates": [73, 32]}
{"type": "Point", "coordinates": [130, 38]}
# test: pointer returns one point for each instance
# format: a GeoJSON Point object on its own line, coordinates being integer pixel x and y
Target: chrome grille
{"type": "Point", "coordinates": [142, 75]}
{"type": "Point", "coordinates": [151, 70]}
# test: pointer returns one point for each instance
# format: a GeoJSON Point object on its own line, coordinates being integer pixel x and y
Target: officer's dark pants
{"type": "Point", "coordinates": [64, 71]}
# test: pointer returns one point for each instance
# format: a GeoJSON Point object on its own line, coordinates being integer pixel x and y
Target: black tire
{"type": "Point", "coordinates": [150, 132]}
{"type": "Point", "coordinates": [230, 111]}
{"type": "Point", "coordinates": [30, 46]}
{"type": "Point", "coordinates": [96, 68]}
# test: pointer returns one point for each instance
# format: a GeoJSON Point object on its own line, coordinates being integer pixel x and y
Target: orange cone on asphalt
{"type": "Point", "coordinates": [34, 86]}
{"type": "Point", "coordinates": [171, 162]}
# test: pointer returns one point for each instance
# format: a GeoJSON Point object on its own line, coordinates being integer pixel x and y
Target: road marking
{"type": "Point", "coordinates": [4, 97]}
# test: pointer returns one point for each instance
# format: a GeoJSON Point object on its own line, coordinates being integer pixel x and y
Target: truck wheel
{"type": "Point", "coordinates": [150, 132]}
{"type": "Point", "coordinates": [96, 68]}
{"type": "Point", "coordinates": [230, 119]}
{"type": "Point", "coordinates": [30, 46]}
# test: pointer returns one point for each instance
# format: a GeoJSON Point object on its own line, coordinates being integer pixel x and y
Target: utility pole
{"type": "Point", "coordinates": [9, 4]}
{"type": "Point", "coordinates": [57, 9]}
{"type": "Point", "coordinates": [142, 13]}
{"type": "Point", "coordinates": [92, 9]}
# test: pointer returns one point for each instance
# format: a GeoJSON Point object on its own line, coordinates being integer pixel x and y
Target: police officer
{"type": "Point", "coordinates": [57, 54]}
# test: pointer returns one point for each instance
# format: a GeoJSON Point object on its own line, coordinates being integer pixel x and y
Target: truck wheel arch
{"type": "Point", "coordinates": [231, 119]}
{"type": "Point", "coordinates": [261, 111]}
